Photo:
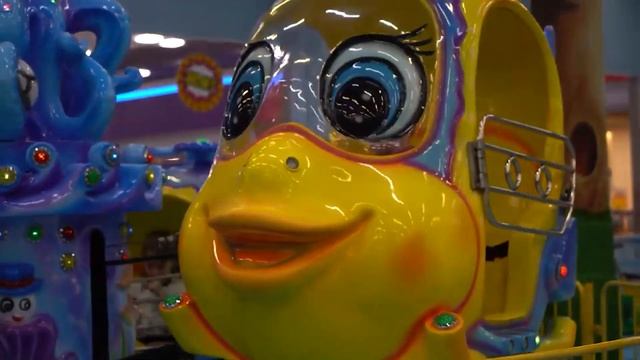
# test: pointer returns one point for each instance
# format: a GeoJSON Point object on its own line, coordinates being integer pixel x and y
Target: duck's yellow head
{"type": "Point", "coordinates": [323, 221]}
{"type": "Point", "coordinates": [332, 226]}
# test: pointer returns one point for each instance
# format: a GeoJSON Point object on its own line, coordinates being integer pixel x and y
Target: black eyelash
{"type": "Point", "coordinates": [412, 33]}
{"type": "Point", "coordinates": [418, 43]}
{"type": "Point", "coordinates": [408, 39]}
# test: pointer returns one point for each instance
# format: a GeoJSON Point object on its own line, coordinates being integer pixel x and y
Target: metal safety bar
{"type": "Point", "coordinates": [543, 179]}
{"type": "Point", "coordinates": [534, 159]}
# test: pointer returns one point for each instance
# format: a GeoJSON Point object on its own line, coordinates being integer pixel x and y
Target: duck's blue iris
{"type": "Point", "coordinates": [244, 100]}
{"type": "Point", "coordinates": [366, 97]}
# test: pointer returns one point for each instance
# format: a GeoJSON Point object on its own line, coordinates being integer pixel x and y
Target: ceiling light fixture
{"type": "Point", "coordinates": [148, 39]}
{"type": "Point", "coordinates": [145, 73]}
{"type": "Point", "coordinates": [172, 43]}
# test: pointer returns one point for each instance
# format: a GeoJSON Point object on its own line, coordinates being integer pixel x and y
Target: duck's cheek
{"type": "Point", "coordinates": [410, 262]}
{"type": "Point", "coordinates": [427, 248]}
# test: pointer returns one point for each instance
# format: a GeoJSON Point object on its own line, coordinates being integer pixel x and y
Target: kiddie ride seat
{"type": "Point", "coordinates": [393, 182]}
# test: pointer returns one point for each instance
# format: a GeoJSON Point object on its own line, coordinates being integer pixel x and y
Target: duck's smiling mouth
{"type": "Point", "coordinates": [263, 249]}
{"type": "Point", "coordinates": [248, 241]}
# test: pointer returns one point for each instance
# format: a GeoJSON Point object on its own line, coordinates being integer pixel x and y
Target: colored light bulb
{"type": "Point", "coordinates": [34, 233]}
{"type": "Point", "coordinates": [445, 321]}
{"type": "Point", "coordinates": [112, 155]}
{"type": "Point", "coordinates": [67, 261]}
{"type": "Point", "coordinates": [172, 301]}
{"type": "Point", "coordinates": [92, 176]}
{"type": "Point", "coordinates": [67, 233]}
{"type": "Point", "coordinates": [8, 175]}
{"type": "Point", "coordinates": [41, 156]}
{"type": "Point", "coordinates": [150, 176]}
{"type": "Point", "coordinates": [148, 156]}
{"type": "Point", "coordinates": [563, 271]}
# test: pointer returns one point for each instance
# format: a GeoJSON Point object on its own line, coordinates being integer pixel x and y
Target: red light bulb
{"type": "Point", "coordinates": [67, 233]}
{"type": "Point", "coordinates": [563, 271]}
{"type": "Point", "coordinates": [41, 156]}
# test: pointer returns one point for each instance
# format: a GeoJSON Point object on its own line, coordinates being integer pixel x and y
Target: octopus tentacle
{"type": "Point", "coordinates": [108, 21]}
{"type": "Point", "coordinates": [11, 110]}
{"type": "Point", "coordinates": [81, 106]}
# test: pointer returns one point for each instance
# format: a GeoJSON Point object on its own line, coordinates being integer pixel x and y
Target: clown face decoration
{"type": "Point", "coordinates": [18, 288]}
{"type": "Point", "coordinates": [17, 310]}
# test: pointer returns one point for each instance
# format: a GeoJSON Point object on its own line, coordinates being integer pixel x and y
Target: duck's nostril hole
{"type": "Point", "coordinates": [292, 163]}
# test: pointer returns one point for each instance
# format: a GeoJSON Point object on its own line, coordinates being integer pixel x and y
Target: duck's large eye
{"type": "Point", "coordinates": [247, 91]}
{"type": "Point", "coordinates": [373, 90]}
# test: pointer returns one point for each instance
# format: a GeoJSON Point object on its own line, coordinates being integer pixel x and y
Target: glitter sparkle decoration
{"type": "Point", "coordinates": [172, 301]}
{"type": "Point", "coordinates": [92, 176]}
{"type": "Point", "coordinates": [67, 261]}
{"type": "Point", "coordinates": [41, 156]}
{"type": "Point", "coordinates": [6, 7]}
{"type": "Point", "coordinates": [4, 235]}
{"type": "Point", "coordinates": [67, 233]}
{"type": "Point", "coordinates": [8, 175]}
{"type": "Point", "coordinates": [445, 321]}
{"type": "Point", "coordinates": [34, 233]}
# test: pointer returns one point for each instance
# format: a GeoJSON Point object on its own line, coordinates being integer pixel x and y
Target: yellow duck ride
{"type": "Point", "coordinates": [392, 183]}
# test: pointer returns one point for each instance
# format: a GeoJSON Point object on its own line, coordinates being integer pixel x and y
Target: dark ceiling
{"type": "Point", "coordinates": [164, 62]}
{"type": "Point", "coordinates": [204, 19]}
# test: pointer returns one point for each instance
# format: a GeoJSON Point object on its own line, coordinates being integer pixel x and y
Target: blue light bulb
{"type": "Point", "coordinates": [112, 155]}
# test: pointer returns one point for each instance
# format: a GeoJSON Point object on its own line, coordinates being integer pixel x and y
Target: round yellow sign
{"type": "Point", "coordinates": [199, 82]}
